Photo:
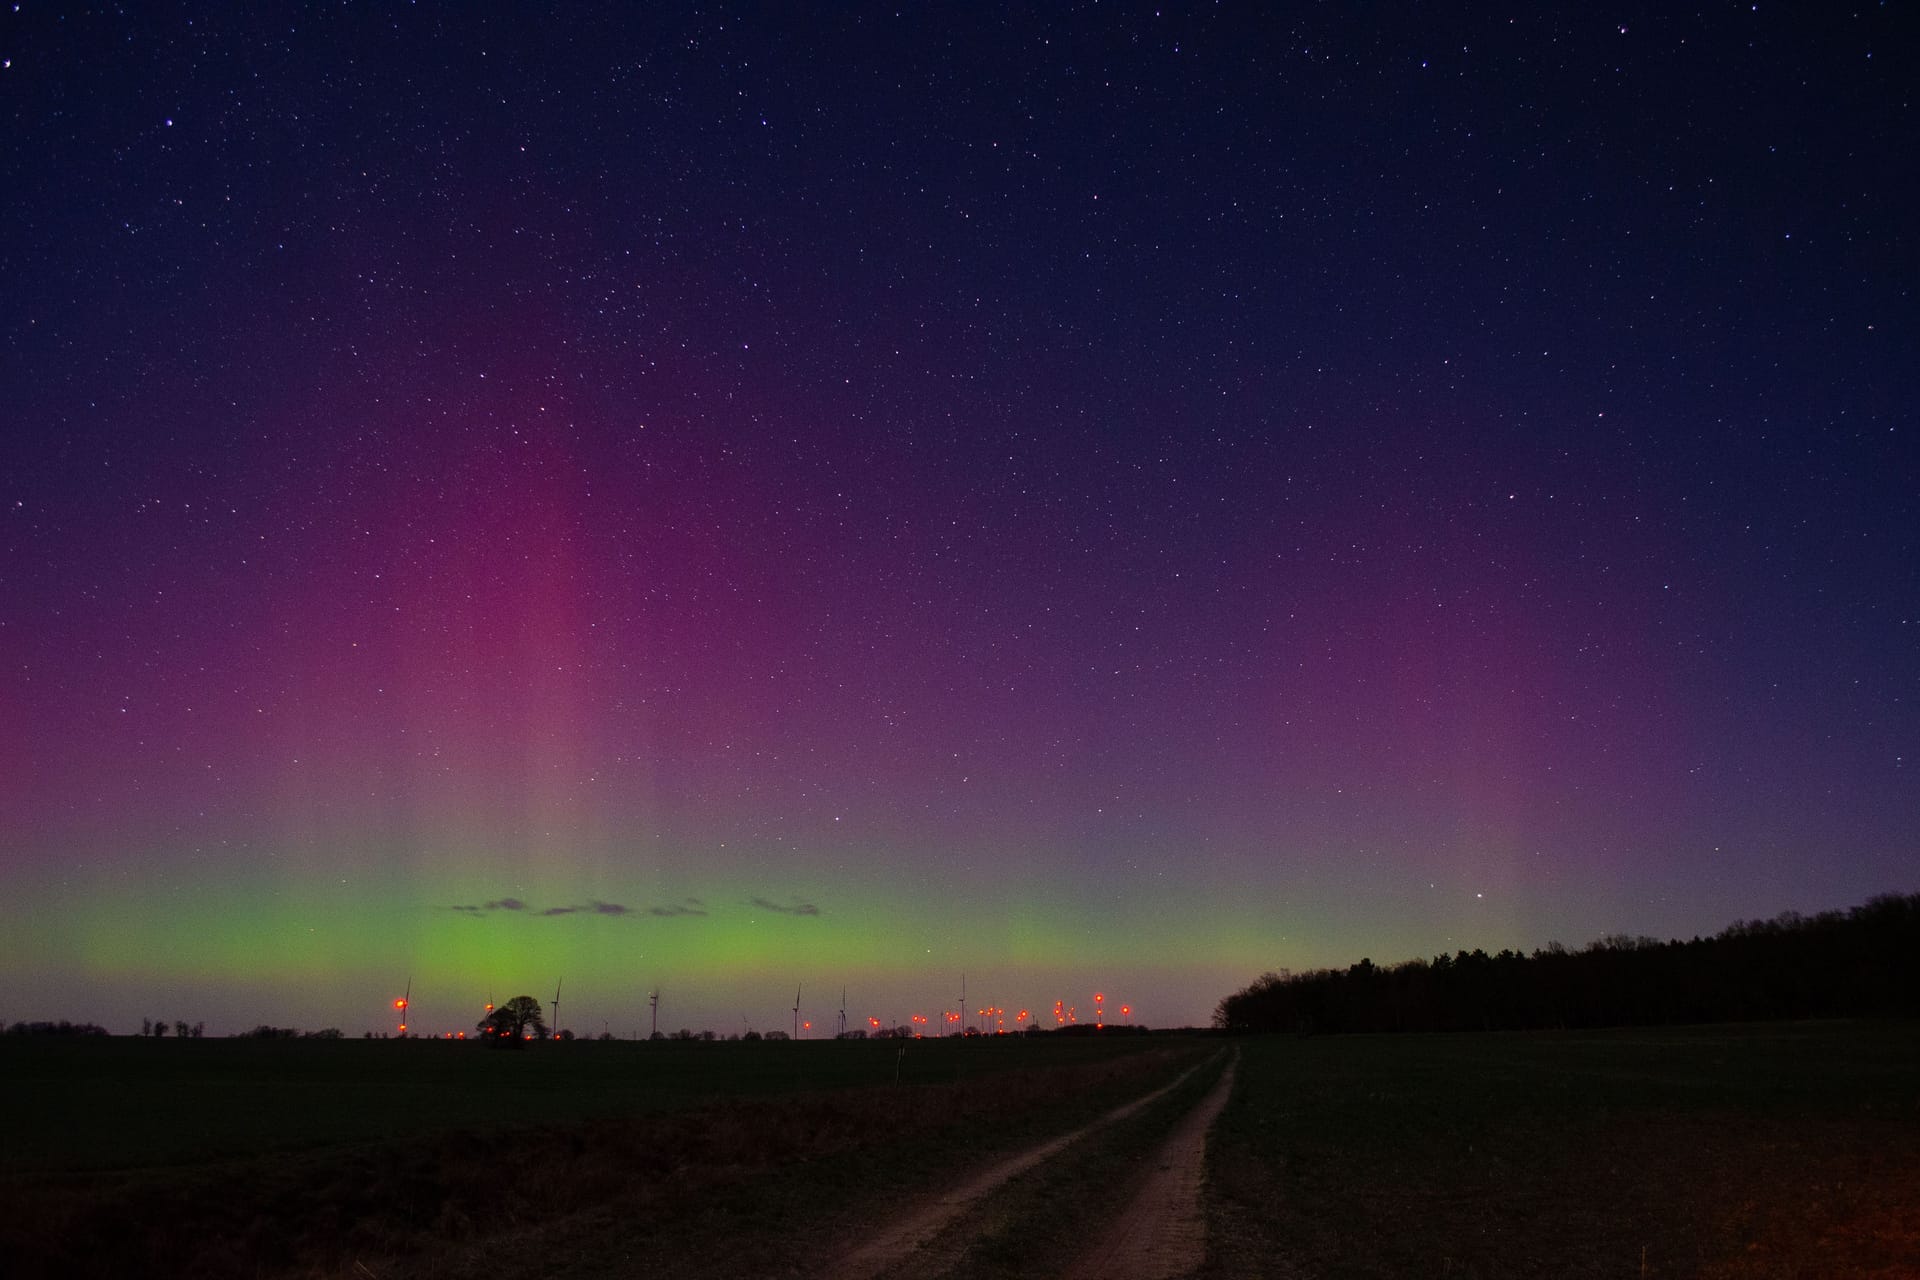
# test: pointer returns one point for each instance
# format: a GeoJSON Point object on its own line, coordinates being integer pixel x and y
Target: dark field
{"type": "Point", "coordinates": [246, 1158]}
{"type": "Point", "coordinates": [129, 1102]}
{"type": "Point", "coordinates": [1764, 1150]}
{"type": "Point", "coordinates": [1769, 1150]}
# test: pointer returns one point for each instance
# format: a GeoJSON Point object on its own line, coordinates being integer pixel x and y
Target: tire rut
{"type": "Point", "coordinates": [1163, 1232]}
{"type": "Point", "coordinates": [899, 1240]}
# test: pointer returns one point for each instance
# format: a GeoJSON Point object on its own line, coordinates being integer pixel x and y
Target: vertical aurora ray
{"type": "Point", "coordinates": [803, 491]}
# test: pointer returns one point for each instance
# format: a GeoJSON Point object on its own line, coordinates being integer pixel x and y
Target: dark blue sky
{"type": "Point", "coordinates": [1104, 491]}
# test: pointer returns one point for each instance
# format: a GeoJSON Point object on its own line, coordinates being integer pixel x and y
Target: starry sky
{"type": "Point", "coordinates": [1088, 497]}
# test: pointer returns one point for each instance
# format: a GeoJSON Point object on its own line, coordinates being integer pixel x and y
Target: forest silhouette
{"type": "Point", "coordinates": [1836, 964]}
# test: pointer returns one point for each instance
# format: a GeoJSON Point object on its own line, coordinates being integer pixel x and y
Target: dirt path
{"type": "Point", "coordinates": [898, 1240]}
{"type": "Point", "coordinates": [1163, 1232]}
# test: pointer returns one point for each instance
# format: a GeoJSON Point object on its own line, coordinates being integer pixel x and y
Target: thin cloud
{"type": "Point", "coordinates": [499, 904]}
{"type": "Point", "coordinates": [596, 907]}
{"type": "Point", "coordinates": [798, 908]}
{"type": "Point", "coordinates": [691, 907]}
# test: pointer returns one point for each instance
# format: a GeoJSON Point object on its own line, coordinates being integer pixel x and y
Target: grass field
{"type": "Point", "coordinates": [244, 1158]}
{"type": "Point", "coordinates": [1775, 1150]}
{"type": "Point", "coordinates": [130, 1103]}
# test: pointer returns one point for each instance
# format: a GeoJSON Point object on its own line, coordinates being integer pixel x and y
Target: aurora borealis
{"type": "Point", "coordinates": [1097, 498]}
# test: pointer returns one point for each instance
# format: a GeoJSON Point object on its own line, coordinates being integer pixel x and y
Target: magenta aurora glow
{"type": "Point", "coordinates": [1091, 501]}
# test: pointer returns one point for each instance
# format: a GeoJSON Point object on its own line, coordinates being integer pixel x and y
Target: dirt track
{"type": "Point", "coordinates": [897, 1241]}
{"type": "Point", "coordinates": [1163, 1232]}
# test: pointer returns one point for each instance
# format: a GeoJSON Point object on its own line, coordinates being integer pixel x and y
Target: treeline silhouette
{"type": "Point", "coordinates": [157, 1028]}
{"type": "Point", "coordinates": [1862, 961]}
{"type": "Point", "coordinates": [266, 1032]}
{"type": "Point", "coordinates": [60, 1028]}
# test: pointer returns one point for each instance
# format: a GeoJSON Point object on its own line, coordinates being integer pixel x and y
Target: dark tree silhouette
{"type": "Point", "coordinates": [1834, 964]}
{"type": "Point", "coordinates": [510, 1023]}
{"type": "Point", "coordinates": [60, 1028]}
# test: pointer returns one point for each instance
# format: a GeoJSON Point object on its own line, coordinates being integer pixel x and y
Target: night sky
{"type": "Point", "coordinates": [1095, 499]}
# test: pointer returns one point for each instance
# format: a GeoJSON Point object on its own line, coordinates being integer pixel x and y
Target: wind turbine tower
{"type": "Point", "coordinates": [556, 1006]}
{"type": "Point", "coordinates": [796, 1011]}
{"type": "Point", "coordinates": [843, 1013]}
{"type": "Point", "coordinates": [653, 1003]}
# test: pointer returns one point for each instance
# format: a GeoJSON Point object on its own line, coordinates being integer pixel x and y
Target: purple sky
{"type": "Point", "coordinates": [1092, 498]}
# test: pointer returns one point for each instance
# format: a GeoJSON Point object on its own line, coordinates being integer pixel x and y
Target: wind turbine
{"type": "Point", "coordinates": [653, 1003]}
{"type": "Point", "coordinates": [796, 1011]}
{"type": "Point", "coordinates": [403, 1003]}
{"type": "Point", "coordinates": [843, 1012]}
{"type": "Point", "coordinates": [556, 1006]}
